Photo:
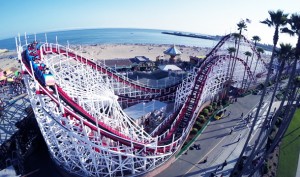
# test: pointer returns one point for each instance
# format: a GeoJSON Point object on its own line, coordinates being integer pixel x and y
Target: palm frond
{"type": "Point", "coordinates": [288, 31]}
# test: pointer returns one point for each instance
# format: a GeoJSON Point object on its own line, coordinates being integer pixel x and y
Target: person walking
{"type": "Point", "coordinates": [228, 114]}
{"type": "Point", "coordinates": [239, 138]}
{"type": "Point", "coordinates": [231, 130]}
{"type": "Point", "coordinates": [205, 160]}
{"type": "Point", "coordinates": [224, 164]}
{"type": "Point", "coordinates": [242, 115]}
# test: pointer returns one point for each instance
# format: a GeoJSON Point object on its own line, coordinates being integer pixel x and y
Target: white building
{"type": "Point", "coordinates": [141, 111]}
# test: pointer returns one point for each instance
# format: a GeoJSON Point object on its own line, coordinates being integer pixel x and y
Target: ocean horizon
{"type": "Point", "coordinates": [110, 36]}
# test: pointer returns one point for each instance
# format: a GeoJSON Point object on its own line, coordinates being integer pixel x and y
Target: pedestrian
{"type": "Point", "coordinates": [242, 115]}
{"type": "Point", "coordinates": [205, 160]}
{"type": "Point", "coordinates": [228, 114]}
{"type": "Point", "coordinates": [231, 130]}
{"type": "Point", "coordinates": [239, 138]}
{"type": "Point", "coordinates": [224, 164]}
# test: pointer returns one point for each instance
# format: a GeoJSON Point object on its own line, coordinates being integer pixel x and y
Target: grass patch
{"type": "Point", "coordinates": [289, 149]}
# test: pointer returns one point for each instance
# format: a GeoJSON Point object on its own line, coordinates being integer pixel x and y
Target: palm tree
{"type": "Point", "coordinates": [241, 26]}
{"type": "Point", "coordinates": [236, 37]}
{"type": "Point", "coordinates": [248, 54]}
{"type": "Point", "coordinates": [294, 22]}
{"type": "Point", "coordinates": [255, 39]}
{"type": "Point", "coordinates": [277, 19]}
{"type": "Point", "coordinates": [259, 51]}
{"type": "Point", "coordinates": [287, 53]}
{"type": "Point", "coordinates": [230, 50]}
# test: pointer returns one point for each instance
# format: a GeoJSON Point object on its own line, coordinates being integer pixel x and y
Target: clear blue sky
{"type": "Point", "coordinates": [215, 17]}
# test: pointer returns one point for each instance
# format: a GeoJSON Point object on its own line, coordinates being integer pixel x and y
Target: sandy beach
{"type": "Point", "coordinates": [113, 51]}
{"type": "Point", "coordinates": [151, 51]}
{"type": "Point", "coordinates": [8, 60]}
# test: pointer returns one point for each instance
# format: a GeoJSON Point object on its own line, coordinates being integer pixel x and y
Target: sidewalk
{"type": "Point", "coordinates": [217, 143]}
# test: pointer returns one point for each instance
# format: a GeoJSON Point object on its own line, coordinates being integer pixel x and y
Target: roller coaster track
{"type": "Point", "coordinates": [98, 138]}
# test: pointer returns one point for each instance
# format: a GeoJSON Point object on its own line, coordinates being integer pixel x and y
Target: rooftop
{"type": "Point", "coordinates": [172, 51]}
{"type": "Point", "coordinates": [141, 109]}
{"type": "Point", "coordinates": [169, 67]}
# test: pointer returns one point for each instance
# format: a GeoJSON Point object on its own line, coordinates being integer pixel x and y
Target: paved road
{"type": "Point", "coordinates": [217, 144]}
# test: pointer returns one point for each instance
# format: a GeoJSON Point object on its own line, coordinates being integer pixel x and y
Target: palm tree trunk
{"type": "Point", "coordinates": [227, 75]}
{"type": "Point", "coordinates": [245, 72]}
{"type": "Point", "coordinates": [253, 152]}
{"type": "Point", "coordinates": [228, 68]}
{"type": "Point", "coordinates": [284, 128]}
{"type": "Point", "coordinates": [250, 69]}
{"type": "Point", "coordinates": [259, 106]}
{"type": "Point", "coordinates": [234, 60]}
{"type": "Point", "coordinates": [289, 110]}
{"type": "Point", "coordinates": [255, 148]}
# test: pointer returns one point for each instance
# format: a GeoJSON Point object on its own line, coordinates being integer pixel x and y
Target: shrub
{"type": "Point", "coordinates": [201, 117]}
{"type": "Point", "coordinates": [225, 101]}
{"type": "Point", "coordinates": [200, 126]}
{"type": "Point", "coordinates": [194, 130]}
{"type": "Point", "coordinates": [279, 96]}
{"type": "Point", "coordinates": [197, 124]}
{"type": "Point", "coordinates": [202, 121]}
{"type": "Point", "coordinates": [210, 108]}
{"type": "Point", "coordinates": [205, 112]}
{"type": "Point", "coordinates": [214, 104]}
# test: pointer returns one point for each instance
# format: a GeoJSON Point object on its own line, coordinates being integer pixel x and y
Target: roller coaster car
{"type": "Point", "coordinates": [219, 115]}
{"type": "Point", "coordinates": [45, 78]}
{"type": "Point", "coordinates": [49, 79]}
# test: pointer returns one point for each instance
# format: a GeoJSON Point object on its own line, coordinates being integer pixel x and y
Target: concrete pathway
{"type": "Point", "coordinates": [218, 144]}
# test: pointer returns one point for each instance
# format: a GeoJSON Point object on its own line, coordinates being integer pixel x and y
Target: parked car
{"type": "Point", "coordinates": [219, 115]}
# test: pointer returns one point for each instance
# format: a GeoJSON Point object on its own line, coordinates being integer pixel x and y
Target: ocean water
{"type": "Point", "coordinates": [111, 36]}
